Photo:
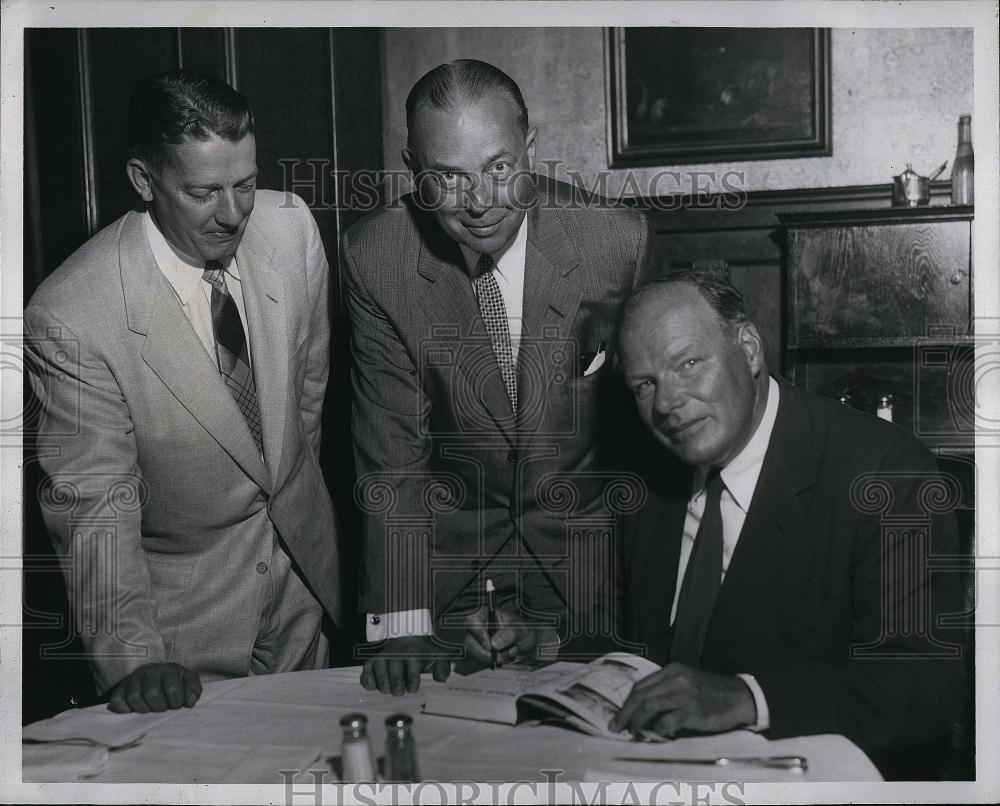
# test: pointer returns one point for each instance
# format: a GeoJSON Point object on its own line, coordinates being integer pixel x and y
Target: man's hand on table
{"type": "Point", "coordinates": [396, 669]}
{"type": "Point", "coordinates": [156, 687]}
{"type": "Point", "coordinates": [682, 697]}
{"type": "Point", "coordinates": [515, 638]}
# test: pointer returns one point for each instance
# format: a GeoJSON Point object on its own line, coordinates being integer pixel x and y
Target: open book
{"type": "Point", "coordinates": [584, 696]}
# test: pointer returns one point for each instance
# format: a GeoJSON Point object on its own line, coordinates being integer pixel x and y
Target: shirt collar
{"type": "Point", "coordinates": [182, 274]}
{"type": "Point", "coordinates": [741, 474]}
{"type": "Point", "coordinates": [509, 262]}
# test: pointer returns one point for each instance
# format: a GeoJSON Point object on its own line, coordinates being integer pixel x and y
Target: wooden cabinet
{"type": "Point", "coordinates": [882, 278]}
{"type": "Point", "coordinates": [878, 305]}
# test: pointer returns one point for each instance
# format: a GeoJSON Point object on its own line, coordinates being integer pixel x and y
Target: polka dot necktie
{"type": "Point", "coordinates": [494, 314]}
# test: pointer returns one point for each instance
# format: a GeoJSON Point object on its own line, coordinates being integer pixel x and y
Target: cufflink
{"type": "Point", "coordinates": [375, 621]}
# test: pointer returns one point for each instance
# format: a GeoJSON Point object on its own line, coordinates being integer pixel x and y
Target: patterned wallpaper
{"type": "Point", "coordinates": [896, 97]}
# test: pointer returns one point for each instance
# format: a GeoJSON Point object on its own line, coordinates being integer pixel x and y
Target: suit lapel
{"type": "Point", "coordinates": [174, 352]}
{"type": "Point", "coordinates": [551, 301]}
{"type": "Point", "coordinates": [267, 321]}
{"type": "Point", "coordinates": [776, 512]}
{"type": "Point", "coordinates": [451, 309]}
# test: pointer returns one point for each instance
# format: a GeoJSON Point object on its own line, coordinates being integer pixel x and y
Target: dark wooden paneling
{"type": "Point", "coordinates": [355, 51]}
{"type": "Point", "coordinates": [118, 57]}
{"type": "Point", "coordinates": [746, 232]}
{"type": "Point", "coordinates": [866, 292]}
{"type": "Point", "coordinates": [55, 206]}
{"type": "Point", "coordinates": [282, 72]}
{"type": "Point", "coordinates": [202, 49]}
{"type": "Point", "coordinates": [292, 115]}
{"type": "Point", "coordinates": [746, 229]}
{"type": "Point", "coordinates": [760, 285]}
{"type": "Point", "coordinates": [358, 137]}
{"type": "Point", "coordinates": [878, 283]}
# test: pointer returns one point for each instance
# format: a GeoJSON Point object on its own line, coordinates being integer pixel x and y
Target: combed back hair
{"type": "Point", "coordinates": [462, 82]}
{"type": "Point", "coordinates": [167, 108]}
{"type": "Point", "coordinates": [717, 291]}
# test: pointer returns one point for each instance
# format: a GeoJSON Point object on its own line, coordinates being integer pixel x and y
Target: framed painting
{"type": "Point", "coordinates": [683, 95]}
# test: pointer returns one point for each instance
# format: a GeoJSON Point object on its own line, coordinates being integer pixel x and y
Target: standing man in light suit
{"type": "Point", "coordinates": [483, 308]}
{"type": "Point", "coordinates": [181, 356]}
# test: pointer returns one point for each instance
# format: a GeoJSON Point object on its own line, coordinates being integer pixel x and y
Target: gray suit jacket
{"type": "Point", "coordinates": [449, 479]}
{"type": "Point", "coordinates": [156, 496]}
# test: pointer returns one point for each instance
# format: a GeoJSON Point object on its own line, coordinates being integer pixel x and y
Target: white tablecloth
{"type": "Point", "coordinates": [261, 729]}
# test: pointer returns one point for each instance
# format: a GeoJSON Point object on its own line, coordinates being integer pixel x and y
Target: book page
{"type": "Point", "coordinates": [585, 696]}
{"type": "Point", "coordinates": [489, 695]}
{"type": "Point", "coordinates": [593, 692]}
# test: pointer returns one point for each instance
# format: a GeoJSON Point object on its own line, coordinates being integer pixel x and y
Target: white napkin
{"type": "Point", "coordinates": [62, 762]}
{"type": "Point", "coordinates": [94, 726]}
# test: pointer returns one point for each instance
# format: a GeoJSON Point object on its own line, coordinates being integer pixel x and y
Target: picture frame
{"type": "Point", "coordinates": [703, 95]}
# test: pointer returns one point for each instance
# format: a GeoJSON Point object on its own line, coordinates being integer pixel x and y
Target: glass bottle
{"type": "Point", "coordinates": [400, 750]}
{"type": "Point", "coordinates": [356, 750]}
{"type": "Point", "coordinates": [962, 169]}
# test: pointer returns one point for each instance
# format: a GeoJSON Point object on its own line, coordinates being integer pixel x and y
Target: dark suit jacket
{"type": "Point", "coordinates": [826, 600]}
{"type": "Point", "coordinates": [443, 464]}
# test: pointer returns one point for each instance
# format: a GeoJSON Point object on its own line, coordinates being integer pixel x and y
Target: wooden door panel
{"type": "Point", "coordinates": [878, 283]}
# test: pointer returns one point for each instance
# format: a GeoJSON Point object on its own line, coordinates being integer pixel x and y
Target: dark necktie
{"type": "Point", "coordinates": [495, 316]}
{"type": "Point", "coordinates": [702, 580]}
{"type": "Point", "coordinates": [231, 350]}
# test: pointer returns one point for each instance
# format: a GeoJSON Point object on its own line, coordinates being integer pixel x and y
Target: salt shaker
{"type": "Point", "coordinates": [356, 750]}
{"type": "Point", "coordinates": [884, 409]}
{"type": "Point", "coordinates": [400, 750]}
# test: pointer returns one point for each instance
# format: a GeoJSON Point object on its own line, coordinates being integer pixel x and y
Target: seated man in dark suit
{"type": "Point", "coordinates": [778, 569]}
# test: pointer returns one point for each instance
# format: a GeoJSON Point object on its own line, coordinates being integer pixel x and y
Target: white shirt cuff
{"type": "Point", "coordinates": [763, 714]}
{"type": "Point", "coordinates": [380, 626]}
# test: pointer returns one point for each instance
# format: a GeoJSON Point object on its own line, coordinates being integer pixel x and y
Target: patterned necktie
{"type": "Point", "coordinates": [495, 316]}
{"type": "Point", "coordinates": [702, 580]}
{"type": "Point", "coordinates": [231, 350]}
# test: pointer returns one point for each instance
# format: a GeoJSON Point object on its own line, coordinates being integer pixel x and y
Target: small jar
{"type": "Point", "coordinates": [884, 409]}
{"type": "Point", "coordinates": [356, 750]}
{"type": "Point", "coordinates": [400, 750]}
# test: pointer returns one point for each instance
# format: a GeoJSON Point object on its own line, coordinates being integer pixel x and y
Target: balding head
{"type": "Point", "coordinates": [463, 83]}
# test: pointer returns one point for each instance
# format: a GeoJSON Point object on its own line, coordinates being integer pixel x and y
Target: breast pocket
{"type": "Point", "coordinates": [578, 412]}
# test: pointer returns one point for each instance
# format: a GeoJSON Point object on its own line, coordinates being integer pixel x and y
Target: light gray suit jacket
{"type": "Point", "coordinates": [156, 497]}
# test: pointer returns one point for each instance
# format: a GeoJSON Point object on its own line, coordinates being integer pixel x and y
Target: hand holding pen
{"type": "Point", "coordinates": [491, 625]}
{"type": "Point", "coordinates": [497, 635]}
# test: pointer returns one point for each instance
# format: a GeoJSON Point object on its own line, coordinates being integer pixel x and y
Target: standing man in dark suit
{"type": "Point", "coordinates": [181, 356]}
{"type": "Point", "coordinates": [777, 567]}
{"type": "Point", "coordinates": [484, 309]}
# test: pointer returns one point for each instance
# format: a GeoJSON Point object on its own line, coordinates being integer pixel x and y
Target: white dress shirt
{"type": "Point", "coordinates": [740, 480]}
{"type": "Point", "coordinates": [194, 293]}
{"type": "Point", "coordinates": [508, 270]}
